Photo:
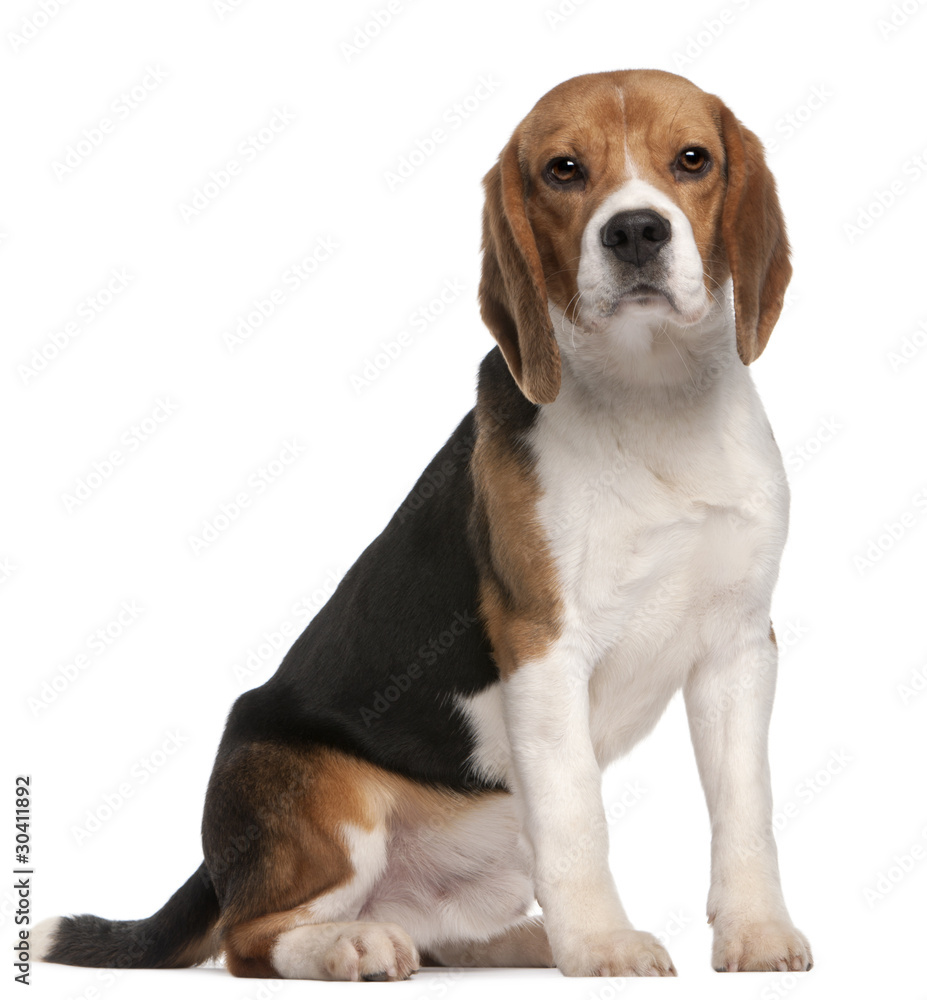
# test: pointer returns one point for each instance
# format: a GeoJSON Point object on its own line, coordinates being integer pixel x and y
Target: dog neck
{"type": "Point", "coordinates": [647, 361]}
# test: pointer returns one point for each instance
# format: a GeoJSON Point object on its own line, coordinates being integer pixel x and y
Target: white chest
{"type": "Point", "coordinates": [687, 503]}
{"type": "Point", "coordinates": [660, 524]}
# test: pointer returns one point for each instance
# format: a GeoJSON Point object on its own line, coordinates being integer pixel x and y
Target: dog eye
{"type": "Point", "coordinates": [563, 170]}
{"type": "Point", "coordinates": [693, 160]}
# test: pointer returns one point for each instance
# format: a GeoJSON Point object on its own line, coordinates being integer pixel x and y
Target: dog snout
{"type": "Point", "coordinates": [636, 236]}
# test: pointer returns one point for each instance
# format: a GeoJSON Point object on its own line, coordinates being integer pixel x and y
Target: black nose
{"type": "Point", "coordinates": [636, 236]}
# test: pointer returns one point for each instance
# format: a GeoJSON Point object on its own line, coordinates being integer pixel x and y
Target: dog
{"type": "Point", "coordinates": [602, 529]}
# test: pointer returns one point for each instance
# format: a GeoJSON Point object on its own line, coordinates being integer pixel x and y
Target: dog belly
{"type": "Point", "coordinates": [467, 878]}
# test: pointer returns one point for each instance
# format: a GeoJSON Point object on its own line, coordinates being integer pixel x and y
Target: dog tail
{"type": "Point", "coordinates": [180, 934]}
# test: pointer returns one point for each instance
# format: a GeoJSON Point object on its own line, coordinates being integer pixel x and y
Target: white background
{"type": "Point", "coordinates": [839, 100]}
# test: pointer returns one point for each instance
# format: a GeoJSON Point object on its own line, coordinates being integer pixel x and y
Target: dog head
{"type": "Point", "coordinates": [624, 202]}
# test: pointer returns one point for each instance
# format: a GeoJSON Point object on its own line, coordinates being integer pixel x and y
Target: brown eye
{"type": "Point", "coordinates": [693, 160]}
{"type": "Point", "coordinates": [564, 170]}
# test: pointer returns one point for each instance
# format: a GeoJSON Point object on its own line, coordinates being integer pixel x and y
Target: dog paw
{"type": "Point", "coordinates": [763, 946]}
{"type": "Point", "coordinates": [372, 953]}
{"type": "Point", "coordinates": [625, 953]}
{"type": "Point", "coordinates": [346, 952]}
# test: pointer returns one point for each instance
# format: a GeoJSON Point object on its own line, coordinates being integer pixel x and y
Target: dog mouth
{"type": "Point", "coordinates": [646, 295]}
{"type": "Point", "coordinates": [643, 296]}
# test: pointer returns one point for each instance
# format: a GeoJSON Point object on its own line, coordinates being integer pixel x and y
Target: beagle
{"type": "Point", "coordinates": [601, 530]}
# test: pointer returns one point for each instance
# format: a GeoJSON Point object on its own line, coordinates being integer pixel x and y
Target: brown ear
{"type": "Point", "coordinates": [513, 293]}
{"type": "Point", "coordinates": [754, 236]}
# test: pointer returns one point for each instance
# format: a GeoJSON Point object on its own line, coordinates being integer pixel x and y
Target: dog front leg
{"type": "Point", "coordinates": [729, 699]}
{"type": "Point", "coordinates": [558, 788]}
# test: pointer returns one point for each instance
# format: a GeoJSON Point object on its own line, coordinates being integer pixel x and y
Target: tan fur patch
{"type": "Point", "coordinates": [519, 597]}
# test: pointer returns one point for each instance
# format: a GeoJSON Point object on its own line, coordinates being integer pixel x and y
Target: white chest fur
{"type": "Point", "coordinates": [666, 512]}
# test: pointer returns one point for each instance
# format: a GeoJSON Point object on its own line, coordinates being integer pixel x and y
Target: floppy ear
{"type": "Point", "coordinates": [513, 293]}
{"type": "Point", "coordinates": [754, 236]}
